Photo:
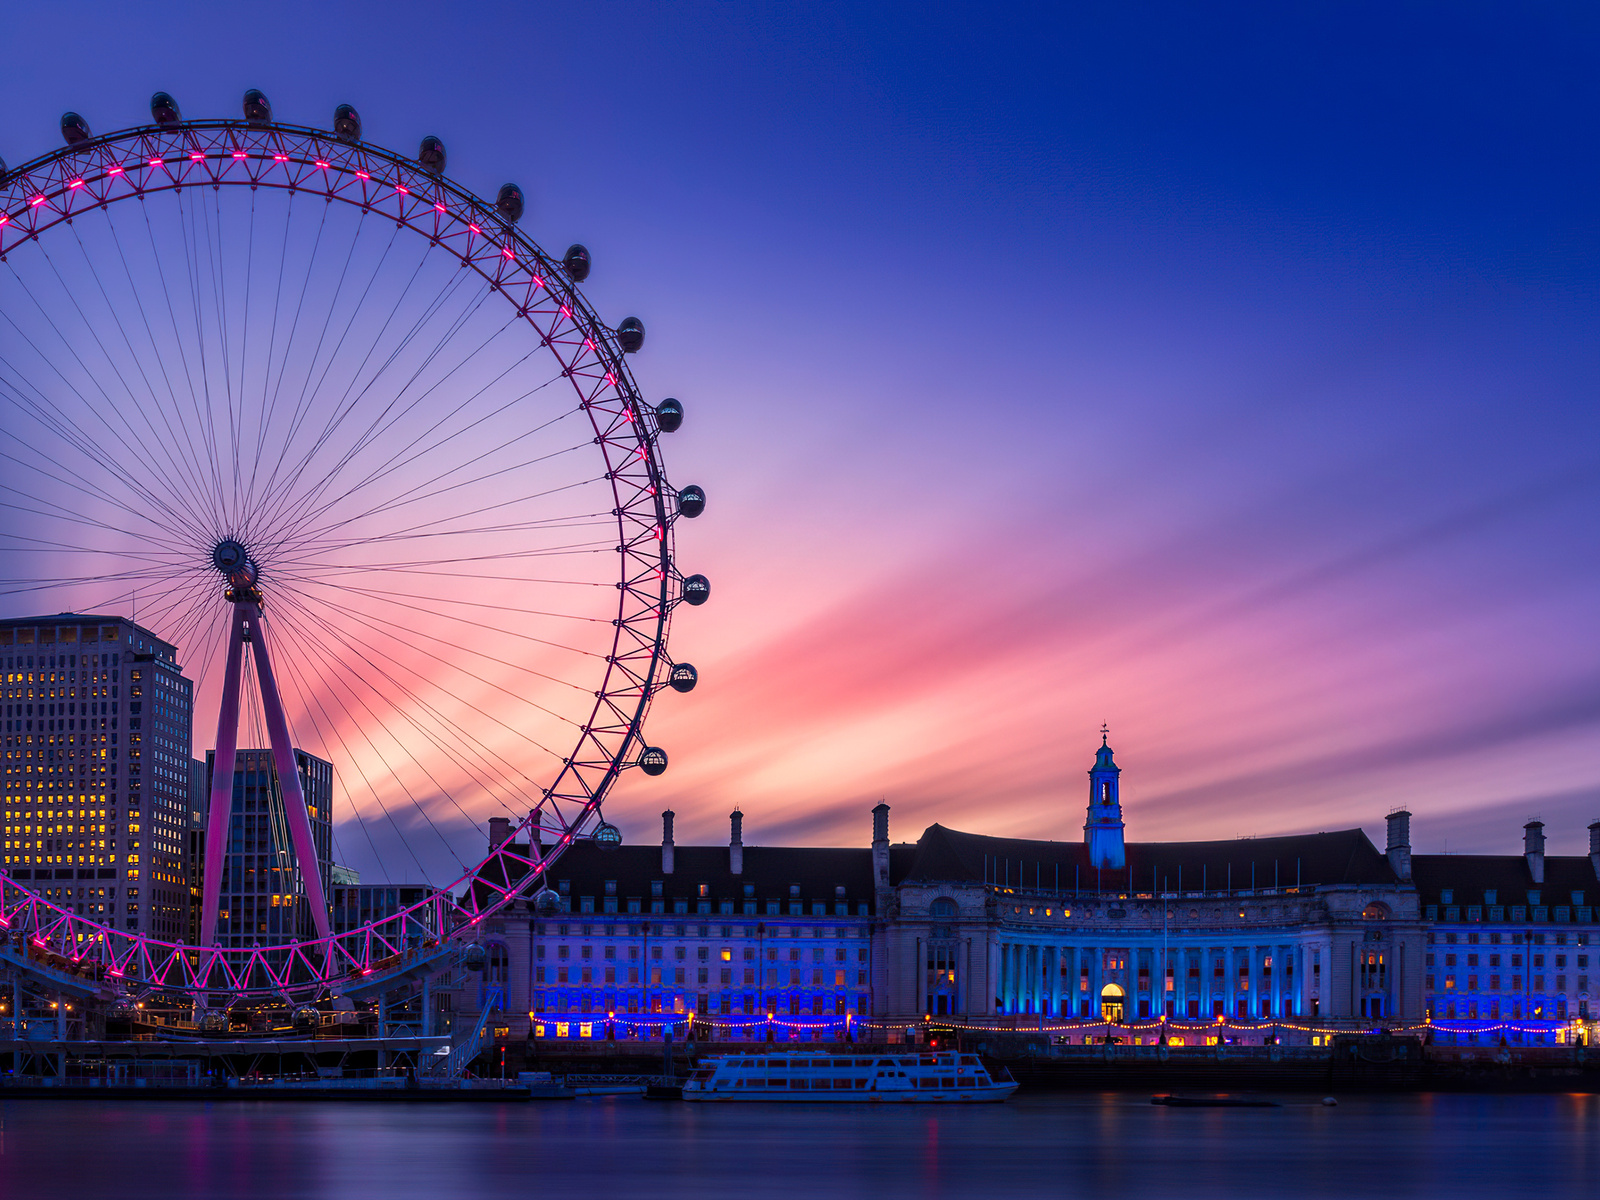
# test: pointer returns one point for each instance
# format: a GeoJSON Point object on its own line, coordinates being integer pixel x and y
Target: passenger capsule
{"type": "Point", "coordinates": [164, 109]}
{"type": "Point", "coordinates": [74, 128]}
{"type": "Point", "coordinates": [473, 957]}
{"type": "Point", "coordinates": [577, 262]}
{"type": "Point", "coordinates": [212, 1020]}
{"type": "Point", "coordinates": [347, 123]}
{"type": "Point", "coordinates": [697, 589]}
{"type": "Point", "coordinates": [607, 836]}
{"type": "Point", "coordinates": [683, 677]}
{"type": "Point", "coordinates": [509, 202]}
{"type": "Point", "coordinates": [431, 156]}
{"type": "Point", "coordinates": [257, 108]}
{"type": "Point", "coordinates": [306, 1017]}
{"type": "Point", "coordinates": [630, 335]}
{"type": "Point", "coordinates": [669, 415]}
{"type": "Point", "coordinates": [3, 171]}
{"type": "Point", "coordinates": [653, 760]}
{"type": "Point", "coordinates": [547, 903]}
{"type": "Point", "coordinates": [692, 500]}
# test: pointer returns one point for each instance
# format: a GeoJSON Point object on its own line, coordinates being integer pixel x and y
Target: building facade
{"type": "Point", "coordinates": [737, 937]}
{"type": "Point", "coordinates": [1314, 926]}
{"type": "Point", "coordinates": [355, 904]}
{"type": "Point", "coordinates": [98, 726]}
{"type": "Point", "coordinates": [263, 899]}
{"type": "Point", "coordinates": [1307, 932]}
{"type": "Point", "coordinates": [1512, 939]}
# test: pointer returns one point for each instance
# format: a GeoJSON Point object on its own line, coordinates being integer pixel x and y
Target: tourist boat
{"type": "Point", "coordinates": [821, 1078]}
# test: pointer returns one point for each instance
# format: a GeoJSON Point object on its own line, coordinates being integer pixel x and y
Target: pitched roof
{"type": "Point", "coordinates": [1345, 856]}
{"type": "Point", "coordinates": [1507, 875]}
{"type": "Point", "coordinates": [771, 870]}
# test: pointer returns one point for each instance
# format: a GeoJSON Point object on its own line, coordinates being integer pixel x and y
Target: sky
{"type": "Point", "coordinates": [1225, 374]}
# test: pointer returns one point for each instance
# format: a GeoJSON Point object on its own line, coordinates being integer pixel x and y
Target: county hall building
{"type": "Point", "coordinates": [1318, 929]}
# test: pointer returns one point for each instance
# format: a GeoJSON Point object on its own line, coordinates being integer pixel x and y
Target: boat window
{"type": "Point", "coordinates": [970, 1060]}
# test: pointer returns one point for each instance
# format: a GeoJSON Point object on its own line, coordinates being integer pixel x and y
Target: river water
{"type": "Point", "coordinates": [1452, 1147]}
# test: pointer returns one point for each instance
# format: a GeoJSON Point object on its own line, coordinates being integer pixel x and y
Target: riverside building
{"type": "Point", "coordinates": [737, 937]}
{"type": "Point", "coordinates": [98, 727]}
{"type": "Point", "coordinates": [1281, 935]}
{"type": "Point", "coordinates": [1254, 929]}
{"type": "Point", "coordinates": [1511, 939]}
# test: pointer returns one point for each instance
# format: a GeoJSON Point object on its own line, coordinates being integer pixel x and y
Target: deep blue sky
{"type": "Point", "coordinates": [1224, 372]}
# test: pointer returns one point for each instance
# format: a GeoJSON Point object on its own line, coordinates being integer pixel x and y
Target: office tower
{"type": "Point", "coordinates": [263, 898]}
{"type": "Point", "coordinates": [98, 728]}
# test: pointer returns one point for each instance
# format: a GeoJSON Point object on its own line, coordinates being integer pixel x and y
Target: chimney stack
{"type": "Point", "coordinates": [499, 832]}
{"type": "Point", "coordinates": [736, 845]}
{"type": "Point", "coordinates": [1533, 849]}
{"type": "Point", "coordinates": [1594, 848]}
{"type": "Point", "coordinates": [1399, 851]}
{"type": "Point", "coordinates": [666, 841]}
{"type": "Point", "coordinates": [880, 846]}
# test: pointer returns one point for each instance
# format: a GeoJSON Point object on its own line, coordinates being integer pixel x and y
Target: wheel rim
{"type": "Point", "coordinates": [290, 534]}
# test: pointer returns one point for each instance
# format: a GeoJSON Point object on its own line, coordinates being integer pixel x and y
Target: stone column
{"type": "Point", "coordinates": [919, 979]}
{"type": "Point", "coordinates": [1096, 960]}
{"type": "Point", "coordinates": [991, 979]}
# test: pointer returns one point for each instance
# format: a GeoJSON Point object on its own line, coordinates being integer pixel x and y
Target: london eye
{"type": "Point", "coordinates": [360, 455]}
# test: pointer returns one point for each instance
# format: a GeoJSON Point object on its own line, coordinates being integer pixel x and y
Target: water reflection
{"type": "Point", "coordinates": [1091, 1146]}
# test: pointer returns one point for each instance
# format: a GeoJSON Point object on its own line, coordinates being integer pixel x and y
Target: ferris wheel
{"type": "Point", "coordinates": [360, 455]}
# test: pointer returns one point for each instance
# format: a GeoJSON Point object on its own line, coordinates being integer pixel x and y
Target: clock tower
{"type": "Point", "coordinates": [1102, 832]}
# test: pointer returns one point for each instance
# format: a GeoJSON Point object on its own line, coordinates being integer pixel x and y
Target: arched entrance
{"type": "Point", "coordinates": [1112, 1002]}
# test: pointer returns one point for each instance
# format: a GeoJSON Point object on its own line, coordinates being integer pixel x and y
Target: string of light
{"type": "Point", "coordinates": [1179, 1026]}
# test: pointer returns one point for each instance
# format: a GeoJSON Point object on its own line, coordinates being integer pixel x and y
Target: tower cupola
{"type": "Point", "coordinates": [1102, 832]}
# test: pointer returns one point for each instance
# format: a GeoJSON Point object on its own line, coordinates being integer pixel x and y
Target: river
{"type": "Point", "coordinates": [1450, 1147]}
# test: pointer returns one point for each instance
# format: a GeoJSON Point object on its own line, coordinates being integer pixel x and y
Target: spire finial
{"type": "Point", "coordinates": [1105, 731]}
